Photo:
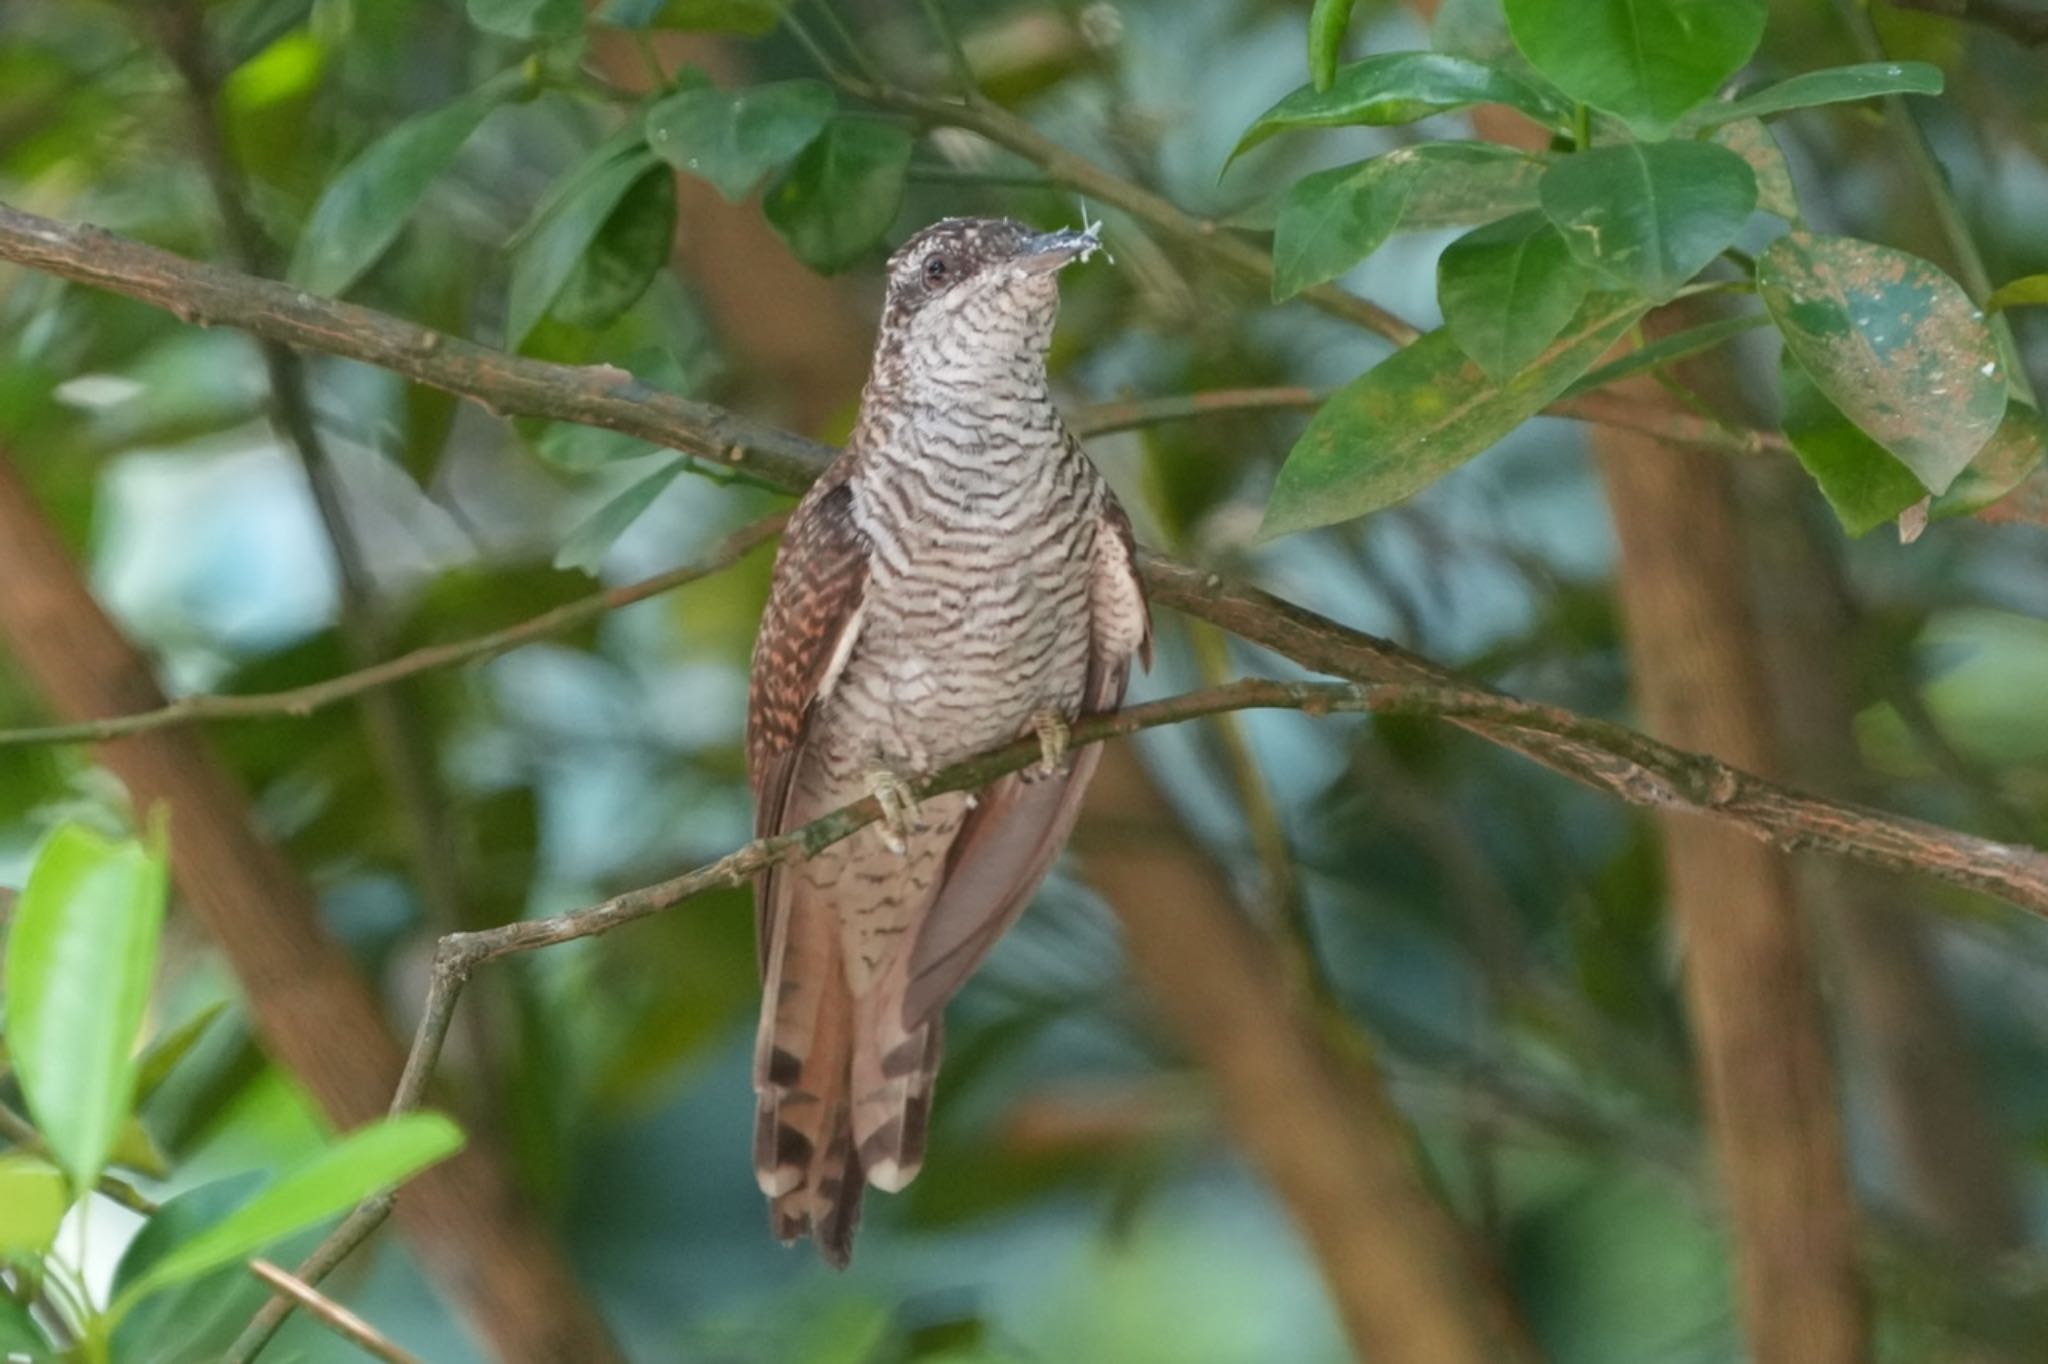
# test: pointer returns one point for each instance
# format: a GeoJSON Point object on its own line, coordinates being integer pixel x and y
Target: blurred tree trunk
{"type": "Point", "coordinates": [316, 1013]}
{"type": "Point", "coordinates": [1755, 1013]}
{"type": "Point", "coordinates": [1406, 1281]}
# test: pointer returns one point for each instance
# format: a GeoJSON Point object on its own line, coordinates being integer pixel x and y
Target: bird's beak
{"type": "Point", "coordinates": [1048, 251]}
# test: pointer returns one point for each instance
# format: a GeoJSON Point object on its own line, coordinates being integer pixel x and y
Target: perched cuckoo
{"type": "Point", "coordinates": [961, 577]}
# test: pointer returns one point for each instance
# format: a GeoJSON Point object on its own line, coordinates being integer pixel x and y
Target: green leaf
{"type": "Point", "coordinates": [20, 1337]}
{"type": "Point", "coordinates": [1327, 23]}
{"type": "Point", "coordinates": [1650, 215]}
{"type": "Point", "coordinates": [1507, 290]}
{"type": "Point", "coordinates": [366, 1161]}
{"type": "Point", "coordinates": [1644, 61]}
{"type": "Point", "coordinates": [734, 137]}
{"type": "Point", "coordinates": [835, 203]}
{"type": "Point", "coordinates": [749, 18]}
{"type": "Point", "coordinates": [1420, 413]}
{"type": "Point", "coordinates": [1832, 86]}
{"type": "Point", "coordinates": [1893, 342]}
{"type": "Point", "coordinates": [1400, 87]}
{"type": "Point", "coordinates": [2026, 290]}
{"type": "Point", "coordinates": [79, 963]}
{"type": "Point", "coordinates": [161, 1057]}
{"type": "Point", "coordinates": [1751, 140]}
{"type": "Point", "coordinates": [528, 20]}
{"type": "Point", "coordinates": [33, 1199]}
{"type": "Point", "coordinates": [1461, 184]}
{"type": "Point", "coordinates": [2012, 453]}
{"type": "Point", "coordinates": [1669, 350]}
{"type": "Point", "coordinates": [625, 255]}
{"type": "Point", "coordinates": [196, 1321]}
{"type": "Point", "coordinates": [1332, 220]}
{"type": "Point", "coordinates": [585, 548]}
{"type": "Point", "coordinates": [1859, 478]}
{"type": "Point", "coordinates": [362, 209]}
{"type": "Point", "coordinates": [554, 247]}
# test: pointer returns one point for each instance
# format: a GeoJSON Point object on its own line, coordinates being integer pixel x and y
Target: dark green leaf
{"type": "Point", "coordinates": [2012, 453]}
{"type": "Point", "coordinates": [1400, 87]}
{"type": "Point", "coordinates": [1860, 479]}
{"type": "Point", "coordinates": [1507, 290]}
{"type": "Point", "coordinates": [750, 18]}
{"type": "Point", "coordinates": [1327, 23]}
{"type": "Point", "coordinates": [1669, 350]}
{"type": "Point", "coordinates": [834, 204]}
{"type": "Point", "coordinates": [734, 137]}
{"type": "Point", "coordinates": [1650, 215]}
{"type": "Point", "coordinates": [2026, 290]}
{"type": "Point", "coordinates": [363, 208]}
{"type": "Point", "coordinates": [1332, 220]}
{"type": "Point", "coordinates": [33, 1198]}
{"type": "Point", "coordinates": [552, 250]}
{"type": "Point", "coordinates": [79, 962]}
{"type": "Point", "coordinates": [1894, 343]}
{"type": "Point", "coordinates": [1422, 412]}
{"type": "Point", "coordinates": [20, 1336]}
{"type": "Point", "coordinates": [1832, 86]}
{"type": "Point", "coordinates": [1752, 141]}
{"type": "Point", "coordinates": [1644, 61]}
{"type": "Point", "coordinates": [195, 1322]}
{"type": "Point", "coordinates": [528, 20]}
{"type": "Point", "coordinates": [366, 1161]}
{"type": "Point", "coordinates": [625, 255]}
{"type": "Point", "coordinates": [585, 548]}
{"type": "Point", "coordinates": [1460, 184]}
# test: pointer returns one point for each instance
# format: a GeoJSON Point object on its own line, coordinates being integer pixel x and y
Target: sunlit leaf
{"type": "Point", "coordinates": [366, 1161]}
{"type": "Point", "coordinates": [1420, 413]}
{"type": "Point", "coordinates": [33, 1198]}
{"type": "Point", "coordinates": [1832, 86]}
{"type": "Point", "coordinates": [1399, 87]}
{"type": "Point", "coordinates": [833, 205]}
{"type": "Point", "coordinates": [1650, 215]}
{"type": "Point", "coordinates": [735, 137]}
{"type": "Point", "coordinates": [365, 205]}
{"type": "Point", "coordinates": [1507, 290]}
{"type": "Point", "coordinates": [1860, 479]}
{"type": "Point", "coordinates": [1645, 61]}
{"type": "Point", "coordinates": [1894, 343]}
{"type": "Point", "coordinates": [586, 546]}
{"type": "Point", "coordinates": [1327, 23]}
{"type": "Point", "coordinates": [79, 962]}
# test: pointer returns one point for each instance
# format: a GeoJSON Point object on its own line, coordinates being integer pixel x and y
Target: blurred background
{"type": "Point", "coordinates": [1486, 941]}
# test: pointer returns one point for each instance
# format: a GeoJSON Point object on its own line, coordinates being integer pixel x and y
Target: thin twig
{"type": "Point", "coordinates": [333, 1315]}
{"type": "Point", "coordinates": [956, 53]}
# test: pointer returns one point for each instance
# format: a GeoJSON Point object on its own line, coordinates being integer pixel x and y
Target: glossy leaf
{"type": "Point", "coordinates": [1751, 140]}
{"type": "Point", "coordinates": [79, 962]}
{"type": "Point", "coordinates": [625, 255]}
{"type": "Point", "coordinates": [1507, 290]}
{"type": "Point", "coordinates": [1833, 86]}
{"type": "Point", "coordinates": [586, 546]}
{"type": "Point", "coordinates": [836, 201]}
{"type": "Point", "coordinates": [1420, 413]}
{"type": "Point", "coordinates": [748, 18]}
{"type": "Point", "coordinates": [1327, 24]}
{"type": "Point", "coordinates": [193, 1322]}
{"type": "Point", "coordinates": [33, 1199]}
{"type": "Point", "coordinates": [2014, 451]}
{"type": "Point", "coordinates": [1400, 87]}
{"type": "Point", "coordinates": [1864, 484]}
{"type": "Point", "coordinates": [554, 247]}
{"type": "Point", "coordinates": [527, 20]}
{"type": "Point", "coordinates": [1894, 343]}
{"type": "Point", "coordinates": [735, 137]}
{"type": "Point", "coordinates": [363, 208]}
{"type": "Point", "coordinates": [1669, 350]}
{"type": "Point", "coordinates": [1645, 61]}
{"type": "Point", "coordinates": [1650, 215]}
{"type": "Point", "coordinates": [2022, 292]}
{"type": "Point", "coordinates": [365, 1162]}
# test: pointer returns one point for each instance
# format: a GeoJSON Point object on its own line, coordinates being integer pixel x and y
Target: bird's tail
{"type": "Point", "coordinates": [894, 1070]}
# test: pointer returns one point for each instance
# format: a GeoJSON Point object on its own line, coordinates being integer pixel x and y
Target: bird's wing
{"type": "Point", "coordinates": [807, 634]}
{"type": "Point", "coordinates": [1009, 840]}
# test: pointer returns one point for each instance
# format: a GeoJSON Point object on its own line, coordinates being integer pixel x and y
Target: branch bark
{"type": "Point", "coordinates": [316, 1013]}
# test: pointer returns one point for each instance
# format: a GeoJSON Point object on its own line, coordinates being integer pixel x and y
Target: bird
{"type": "Point", "coordinates": [959, 578]}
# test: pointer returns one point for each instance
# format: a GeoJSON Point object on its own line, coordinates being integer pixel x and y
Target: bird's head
{"type": "Point", "coordinates": [971, 292]}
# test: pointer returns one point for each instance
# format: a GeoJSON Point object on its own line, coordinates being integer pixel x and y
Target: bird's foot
{"type": "Point", "coordinates": [1053, 739]}
{"type": "Point", "coordinates": [899, 808]}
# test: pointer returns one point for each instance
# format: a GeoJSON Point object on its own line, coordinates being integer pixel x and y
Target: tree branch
{"type": "Point", "coordinates": [333, 1315]}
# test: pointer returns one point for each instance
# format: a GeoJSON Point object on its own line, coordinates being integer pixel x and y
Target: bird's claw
{"type": "Point", "coordinates": [899, 809]}
{"type": "Point", "coordinates": [1053, 739]}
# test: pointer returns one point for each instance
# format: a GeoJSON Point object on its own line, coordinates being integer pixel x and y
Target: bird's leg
{"type": "Point", "coordinates": [899, 808]}
{"type": "Point", "coordinates": [1053, 737]}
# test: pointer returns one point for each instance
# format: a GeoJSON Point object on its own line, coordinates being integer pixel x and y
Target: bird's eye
{"type": "Point", "coordinates": [935, 270]}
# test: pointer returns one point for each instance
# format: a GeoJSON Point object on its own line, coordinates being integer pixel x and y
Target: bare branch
{"type": "Point", "coordinates": [333, 1315]}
